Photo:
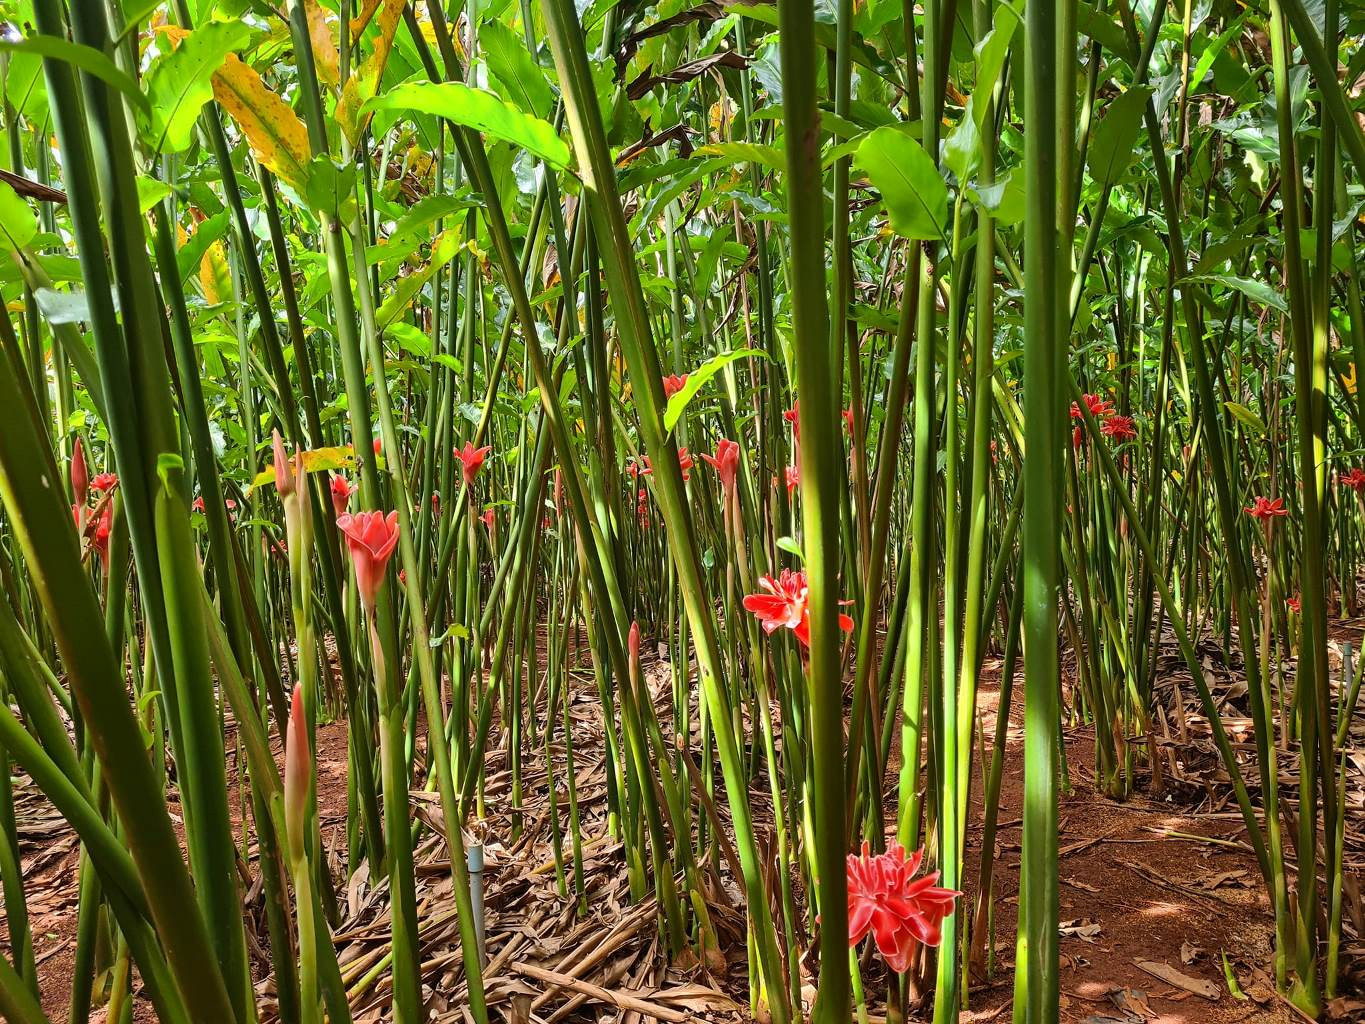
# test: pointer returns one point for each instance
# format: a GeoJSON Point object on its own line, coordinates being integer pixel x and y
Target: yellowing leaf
{"type": "Point", "coordinates": [215, 278]}
{"type": "Point", "coordinates": [364, 81]}
{"type": "Point", "coordinates": [322, 33]}
{"type": "Point", "coordinates": [1349, 378]}
{"type": "Point", "coordinates": [318, 460]}
{"type": "Point", "coordinates": [276, 135]}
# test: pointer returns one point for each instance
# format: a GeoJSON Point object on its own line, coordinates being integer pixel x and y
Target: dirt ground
{"type": "Point", "coordinates": [1157, 895]}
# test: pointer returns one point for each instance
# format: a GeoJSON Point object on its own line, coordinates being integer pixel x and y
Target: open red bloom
{"type": "Point", "coordinates": [673, 384]}
{"type": "Point", "coordinates": [786, 605]}
{"type": "Point", "coordinates": [793, 479]}
{"type": "Point", "coordinates": [1355, 479]}
{"type": "Point", "coordinates": [1266, 509]}
{"type": "Point", "coordinates": [471, 459]}
{"type": "Point", "coordinates": [198, 504]}
{"type": "Point", "coordinates": [898, 910]}
{"type": "Point", "coordinates": [1293, 603]}
{"type": "Point", "coordinates": [725, 462]}
{"type": "Point", "coordinates": [488, 518]}
{"type": "Point", "coordinates": [1099, 407]}
{"type": "Point", "coordinates": [371, 538]}
{"type": "Point", "coordinates": [793, 416]}
{"type": "Point", "coordinates": [341, 494]}
{"type": "Point", "coordinates": [1119, 428]}
{"type": "Point", "coordinates": [685, 463]}
{"type": "Point", "coordinates": [104, 482]}
{"type": "Point", "coordinates": [378, 444]}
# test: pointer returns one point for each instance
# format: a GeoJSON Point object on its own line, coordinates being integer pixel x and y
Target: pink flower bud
{"type": "Point", "coordinates": [284, 472]}
{"type": "Point", "coordinates": [298, 771]}
{"type": "Point", "coordinates": [80, 474]}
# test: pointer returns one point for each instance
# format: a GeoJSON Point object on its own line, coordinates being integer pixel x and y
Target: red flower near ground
{"type": "Point", "coordinates": [1119, 428]}
{"type": "Point", "coordinates": [1293, 604]}
{"type": "Point", "coordinates": [673, 384]}
{"type": "Point", "coordinates": [793, 416]}
{"type": "Point", "coordinates": [100, 536]}
{"type": "Point", "coordinates": [488, 518]}
{"type": "Point", "coordinates": [198, 505]}
{"type": "Point", "coordinates": [793, 479]}
{"type": "Point", "coordinates": [341, 494]}
{"type": "Point", "coordinates": [785, 605]}
{"type": "Point", "coordinates": [685, 463]}
{"type": "Point", "coordinates": [471, 459]}
{"type": "Point", "coordinates": [640, 467]}
{"type": "Point", "coordinates": [1099, 407]}
{"type": "Point", "coordinates": [725, 462]}
{"type": "Point", "coordinates": [378, 444]}
{"type": "Point", "coordinates": [1355, 479]}
{"type": "Point", "coordinates": [104, 482]}
{"type": "Point", "coordinates": [284, 470]}
{"type": "Point", "coordinates": [371, 538]}
{"type": "Point", "coordinates": [899, 911]}
{"type": "Point", "coordinates": [1266, 509]}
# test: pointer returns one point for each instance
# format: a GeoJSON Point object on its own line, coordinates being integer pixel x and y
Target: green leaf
{"type": "Point", "coordinates": [789, 545]}
{"type": "Point", "coordinates": [698, 378]}
{"type": "Point", "coordinates": [962, 148]}
{"type": "Point", "coordinates": [1247, 416]}
{"type": "Point", "coordinates": [1115, 138]}
{"type": "Point", "coordinates": [87, 58]}
{"type": "Point", "coordinates": [1256, 291]}
{"type": "Point", "coordinates": [908, 179]}
{"type": "Point", "coordinates": [522, 78]}
{"type": "Point", "coordinates": [990, 58]}
{"type": "Point", "coordinates": [16, 218]}
{"type": "Point", "coordinates": [480, 110]}
{"type": "Point", "coordinates": [747, 153]}
{"type": "Point", "coordinates": [181, 83]}
{"type": "Point", "coordinates": [150, 192]}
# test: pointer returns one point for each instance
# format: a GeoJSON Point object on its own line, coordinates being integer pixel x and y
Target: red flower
{"type": "Point", "coordinates": [471, 459]}
{"type": "Point", "coordinates": [793, 416]}
{"type": "Point", "coordinates": [793, 479]}
{"type": "Point", "coordinates": [100, 537]}
{"type": "Point", "coordinates": [1099, 407]}
{"type": "Point", "coordinates": [80, 474]}
{"type": "Point", "coordinates": [378, 444]}
{"type": "Point", "coordinates": [371, 537]}
{"type": "Point", "coordinates": [1119, 428]}
{"type": "Point", "coordinates": [685, 463]}
{"type": "Point", "coordinates": [640, 467]}
{"type": "Point", "coordinates": [785, 605]}
{"type": "Point", "coordinates": [1293, 603]}
{"type": "Point", "coordinates": [488, 518]}
{"type": "Point", "coordinates": [673, 384]}
{"type": "Point", "coordinates": [898, 910]}
{"type": "Point", "coordinates": [848, 419]}
{"type": "Point", "coordinates": [104, 482]}
{"type": "Point", "coordinates": [725, 462]}
{"type": "Point", "coordinates": [198, 505]}
{"type": "Point", "coordinates": [1355, 479]}
{"type": "Point", "coordinates": [341, 494]}
{"type": "Point", "coordinates": [1265, 509]}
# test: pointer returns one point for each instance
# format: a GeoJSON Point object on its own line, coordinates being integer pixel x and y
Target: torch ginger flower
{"type": "Point", "coordinates": [673, 384]}
{"type": "Point", "coordinates": [786, 604]}
{"type": "Point", "coordinates": [793, 479]}
{"type": "Point", "coordinates": [726, 463]}
{"type": "Point", "coordinates": [899, 911]}
{"type": "Point", "coordinates": [1266, 509]}
{"type": "Point", "coordinates": [80, 474]}
{"type": "Point", "coordinates": [488, 518]}
{"type": "Point", "coordinates": [471, 459]}
{"type": "Point", "coordinates": [1119, 428]}
{"type": "Point", "coordinates": [371, 537]}
{"type": "Point", "coordinates": [1099, 406]}
{"type": "Point", "coordinates": [103, 482]}
{"type": "Point", "coordinates": [298, 771]}
{"type": "Point", "coordinates": [1355, 479]}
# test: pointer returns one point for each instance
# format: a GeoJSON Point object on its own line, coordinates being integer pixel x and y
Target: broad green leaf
{"type": "Point", "coordinates": [150, 192]}
{"type": "Point", "coordinates": [477, 109]}
{"type": "Point", "coordinates": [87, 58]}
{"type": "Point", "coordinates": [180, 83]}
{"type": "Point", "coordinates": [962, 147]}
{"type": "Point", "coordinates": [1115, 137]}
{"type": "Point", "coordinates": [523, 80]}
{"type": "Point", "coordinates": [990, 58]}
{"type": "Point", "coordinates": [747, 153]}
{"type": "Point", "coordinates": [1247, 416]}
{"type": "Point", "coordinates": [318, 460]}
{"type": "Point", "coordinates": [1256, 291]}
{"type": "Point", "coordinates": [698, 378]}
{"type": "Point", "coordinates": [1211, 52]}
{"type": "Point", "coordinates": [16, 218]}
{"type": "Point", "coordinates": [908, 179]}
{"type": "Point", "coordinates": [443, 250]}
